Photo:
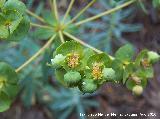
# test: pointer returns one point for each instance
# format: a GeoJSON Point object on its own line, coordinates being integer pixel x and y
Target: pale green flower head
{"type": "Point", "coordinates": [58, 60]}
{"type": "Point", "coordinates": [153, 56]}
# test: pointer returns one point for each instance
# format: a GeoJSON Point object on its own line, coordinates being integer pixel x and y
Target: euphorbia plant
{"type": "Point", "coordinates": [74, 64]}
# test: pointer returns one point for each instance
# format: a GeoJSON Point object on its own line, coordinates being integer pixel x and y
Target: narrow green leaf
{"type": "Point", "coordinates": [21, 30]}
{"type": "Point", "coordinates": [5, 102]}
{"type": "Point", "coordinates": [125, 53]}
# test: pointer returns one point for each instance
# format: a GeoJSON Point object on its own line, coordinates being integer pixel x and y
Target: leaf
{"type": "Point", "coordinates": [3, 32]}
{"type": "Point", "coordinates": [2, 3]}
{"type": "Point", "coordinates": [146, 72]}
{"type": "Point", "coordinates": [48, 17]}
{"type": "Point", "coordinates": [86, 54]}
{"type": "Point", "coordinates": [59, 73]}
{"type": "Point", "coordinates": [5, 102]}
{"type": "Point", "coordinates": [141, 55]}
{"type": "Point", "coordinates": [99, 58]}
{"type": "Point", "coordinates": [9, 21]}
{"type": "Point", "coordinates": [130, 83]}
{"type": "Point", "coordinates": [125, 53]}
{"type": "Point", "coordinates": [15, 5]}
{"type": "Point", "coordinates": [117, 66]}
{"type": "Point", "coordinates": [70, 47]}
{"type": "Point", "coordinates": [43, 34]}
{"type": "Point", "coordinates": [21, 30]}
{"type": "Point", "coordinates": [8, 85]}
{"type": "Point", "coordinates": [10, 78]}
{"type": "Point", "coordinates": [129, 69]}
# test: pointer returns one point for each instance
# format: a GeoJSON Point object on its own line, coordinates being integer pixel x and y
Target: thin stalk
{"type": "Point", "coordinates": [51, 5]}
{"type": "Point", "coordinates": [84, 44]}
{"type": "Point", "coordinates": [36, 16]}
{"type": "Point", "coordinates": [81, 12]}
{"type": "Point", "coordinates": [68, 10]}
{"type": "Point", "coordinates": [106, 12]}
{"type": "Point", "coordinates": [55, 10]}
{"type": "Point", "coordinates": [37, 54]}
{"type": "Point", "coordinates": [61, 36]}
{"type": "Point", "coordinates": [40, 26]}
{"type": "Point", "coordinates": [81, 42]}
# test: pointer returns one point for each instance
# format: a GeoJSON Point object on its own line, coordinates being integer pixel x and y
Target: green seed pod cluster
{"type": "Point", "coordinates": [109, 73]}
{"type": "Point", "coordinates": [83, 68]}
{"type": "Point", "coordinates": [88, 86]}
{"type": "Point", "coordinates": [72, 78]}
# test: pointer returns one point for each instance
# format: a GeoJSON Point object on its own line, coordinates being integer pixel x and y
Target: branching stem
{"type": "Point", "coordinates": [68, 10]}
{"type": "Point", "coordinates": [36, 16]}
{"type": "Point", "coordinates": [81, 12]}
{"type": "Point", "coordinates": [105, 13]}
{"type": "Point", "coordinates": [81, 42]}
{"type": "Point", "coordinates": [61, 36]}
{"type": "Point", "coordinates": [40, 26]}
{"type": "Point", "coordinates": [55, 10]}
{"type": "Point", "coordinates": [84, 44]}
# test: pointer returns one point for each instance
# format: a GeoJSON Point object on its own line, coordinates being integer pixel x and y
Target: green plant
{"type": "Point", "coordinates": [91, 67]}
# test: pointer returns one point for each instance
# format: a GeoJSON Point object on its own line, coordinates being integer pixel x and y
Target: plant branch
{"type": "Point", "coordinates": [37, 54]}
{"type": "Point", "coordinates": [84, 44]}
{"type": "Point", "coordinates": [68, 10]}
{"type": "Point", "coordinates": [81, 12]}
{"type": "Point", "coordinates": [61, 36]}
{"type": "Point", "coordinates": [36, 16]}
{"type": "Point", "coordinates": [55, 10]}
{"type": "Point", "coordinates": [81, 42]}
{"type": "Point", "coordinates": [51, 5]}
{"type": "Point", "coordinates": [106, 12]}
{"type": "Point", "coordinates": [40, 26]}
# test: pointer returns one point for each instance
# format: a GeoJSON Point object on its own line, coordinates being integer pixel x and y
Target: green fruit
{"type": "Point", "coordinates": [109, 74]}
{"type": "Point", "coordinates": [88, 86]}
{"type": "Point", "coordinates": [137, 90]}
{"type": "Point", "coordinates": [153, 56]}
{"type": "Point", "coordinates": [72, 78]}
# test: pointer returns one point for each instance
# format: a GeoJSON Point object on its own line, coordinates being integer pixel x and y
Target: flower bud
{"type": "Point", "coordinates": [58, 60]}
{"type": "Point", "coordinates": [109, 73]}
{"type": "Point", "coordinates": [137, 90]}
{"type": "Point", "coordinates": [72, 78]}
{"type": "Point", "coordinates": [88, 86]}
{"type": "Point", "coordinates": [153, 56]}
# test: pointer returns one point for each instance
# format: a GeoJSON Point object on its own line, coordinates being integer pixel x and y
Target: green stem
{"type": "Point", "coordinates": [40, 26]}
{"type": "Point", "coordinates": [81, 12]}
{"type": "Point", "coordinates": [37, 54]}
{"type": "Point", "coordinates": [61, 36]}
{"type": "Point", "coordinates": [68, 10]}
{"type": "Point", "coordinates": [36, 16]}
{"type": "Point", "coordinates": [82, 42]}
{"type": "Point", "coordinates": [52, 7]}
{"type": "Point", "coordinates": [105, 13]}
{"type": "Point", "coordinates": [55, 10]}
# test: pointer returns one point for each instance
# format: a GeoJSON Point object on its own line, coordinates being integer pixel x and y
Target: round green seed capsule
{"type": "Point", "coordinates": [153, 56]}
{"type": "Point", "coordinates": [72, 78]}
{"type": "Point", "coordinates": [137, 90]}
{"type": "Point", "coordinates": [88, 86]}
{"type": "Point", "coordinates": [109, 74]}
